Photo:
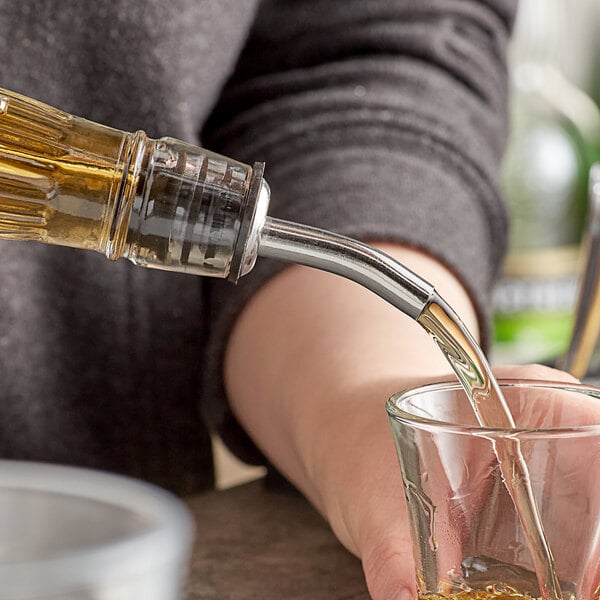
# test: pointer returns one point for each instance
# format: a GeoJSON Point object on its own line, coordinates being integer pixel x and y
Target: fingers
{"type": "Point", "coordinates": [383, 537]}
{"type": "Point", "coordinates": [533, 371]}
{"type": "Point", "coordinates": [388, 566]}
{"type": "Point", "coordinates": [549, 406]}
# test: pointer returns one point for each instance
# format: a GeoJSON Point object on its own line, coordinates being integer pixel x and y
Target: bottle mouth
{"type": "Point", "coordinates": [192, 210]}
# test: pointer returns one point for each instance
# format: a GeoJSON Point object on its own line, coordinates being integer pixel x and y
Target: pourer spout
{"type": "Point", "coordinates": [349, 258]}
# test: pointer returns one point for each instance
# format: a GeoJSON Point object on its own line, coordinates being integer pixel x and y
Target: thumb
{"type": "Point", "coordinates": [388, 566]}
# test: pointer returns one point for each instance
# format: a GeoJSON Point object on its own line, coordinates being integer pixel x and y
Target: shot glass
{"type": "Point", "coordinates": [468, 539]}
{"type": "Point", "coordinates": [76, 534]}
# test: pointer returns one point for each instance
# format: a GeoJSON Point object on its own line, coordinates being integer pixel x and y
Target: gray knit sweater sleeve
{"type": "Point", "coordinates": [378, 119]}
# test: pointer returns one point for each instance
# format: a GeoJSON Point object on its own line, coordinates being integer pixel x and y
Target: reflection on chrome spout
{"type": "Point", "coordinates": [349, 258]}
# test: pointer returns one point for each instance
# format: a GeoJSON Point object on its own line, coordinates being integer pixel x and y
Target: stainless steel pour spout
{"type": "Point", "coordinates": [349, 258]}
{"type": "Point", "coordinates": [260, 235]}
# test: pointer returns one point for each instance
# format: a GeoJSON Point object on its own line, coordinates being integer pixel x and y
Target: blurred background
{"type": "Point", "coordinates": [554, 139]}
{"type": "Point", "coordinates": [582, 43]}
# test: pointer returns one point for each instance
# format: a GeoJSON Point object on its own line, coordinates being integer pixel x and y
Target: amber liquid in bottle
{"type": "Point", "coordinates": [57, 176]}
{"type": "Point", "coordinates": [160, 203]}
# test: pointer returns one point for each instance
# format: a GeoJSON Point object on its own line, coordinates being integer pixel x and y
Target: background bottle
{"type": "Point", "coordinates": [554, 139]}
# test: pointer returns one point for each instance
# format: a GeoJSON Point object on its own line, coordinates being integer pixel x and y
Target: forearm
{"type": "Point", "coordinates": [309, 366]}
{"type": "Point", "coordinates": [377, 120]}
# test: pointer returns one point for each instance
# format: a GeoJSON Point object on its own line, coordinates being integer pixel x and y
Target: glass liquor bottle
{"type": "Point", "coordinates": [554, 139]}
{"type": "Point", "coordinates": [160, 203]}
{"type": "Point", "coordinates": [163, 204]}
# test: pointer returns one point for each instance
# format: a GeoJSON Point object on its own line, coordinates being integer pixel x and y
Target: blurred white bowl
{"type": "Point", "coordinates": [78, 534]}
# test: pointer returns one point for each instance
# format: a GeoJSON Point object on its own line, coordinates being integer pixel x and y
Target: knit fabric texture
{"type": "Point", "coordinates": [381, 120]}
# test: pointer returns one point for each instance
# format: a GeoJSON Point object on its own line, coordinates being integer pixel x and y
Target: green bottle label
{"type": "Point", "coordinates": [533, 318]}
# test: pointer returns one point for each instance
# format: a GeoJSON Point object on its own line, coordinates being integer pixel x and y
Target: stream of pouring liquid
{"type": "Point", "coordinates": [491, 411]}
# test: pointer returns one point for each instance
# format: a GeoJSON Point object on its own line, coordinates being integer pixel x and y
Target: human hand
{"type": "Point", "coordinates": [474, 515]}
{"type": "Point", "coordinates": [309, 366]}
{"type": "Point", "coordinates": [370, 518]}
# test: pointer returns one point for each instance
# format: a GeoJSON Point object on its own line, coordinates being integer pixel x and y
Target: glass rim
{"type": "Point", "coordinates": [397, 414]}
{"type": "Point", "coordinates": [165, 542]}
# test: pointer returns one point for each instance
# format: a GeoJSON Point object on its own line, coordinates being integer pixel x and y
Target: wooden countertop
{"type": "Point", "coordinates": [256, 543]}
